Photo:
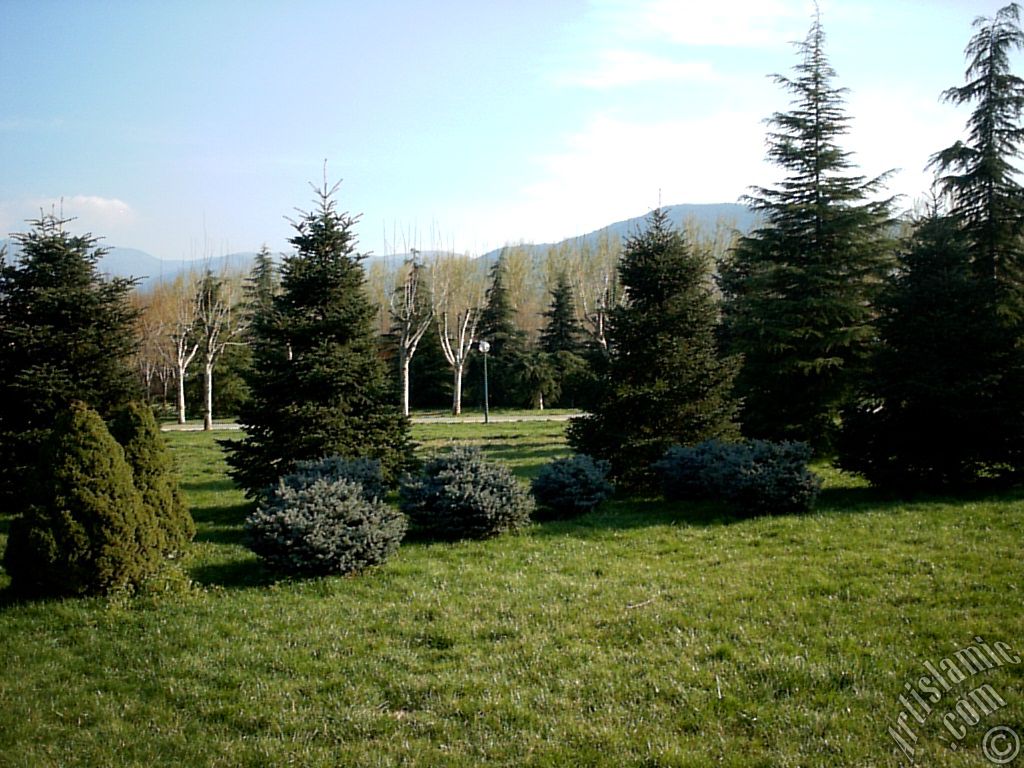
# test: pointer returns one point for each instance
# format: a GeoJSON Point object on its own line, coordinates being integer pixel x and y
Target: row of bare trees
{"type": "Point", "coordinates": [446, 292]}
{"type": "Point", "coordinates": [190, 322]}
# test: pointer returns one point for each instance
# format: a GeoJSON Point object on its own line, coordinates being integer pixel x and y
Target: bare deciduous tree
{"type": "Point", "coordinates": [412, 312]}
{"type": "Point", "coordinates": [180, 337]}
{"type": "Point", "coordinates": [595, 282]}
{"type": "Point", "coordinates": [457, 298]}
{"type": "Point", "coordinates": [218, 324]}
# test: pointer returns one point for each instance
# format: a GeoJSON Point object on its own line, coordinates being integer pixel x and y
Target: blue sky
{"type": "Point", "coordinates": [193, 128]}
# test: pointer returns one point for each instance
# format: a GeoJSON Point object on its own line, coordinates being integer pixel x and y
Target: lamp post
{"type": "Point", "coordinates": [484, 348]}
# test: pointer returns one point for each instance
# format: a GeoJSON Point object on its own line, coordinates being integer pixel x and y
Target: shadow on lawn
{"type": "Point", "coordinates": [234, 574]}
{"type": "Point", "coordinates": [221, 524]}
{"type": "Point", "coordinates": [209, 486]}
{"type": "Point", "coordinates": [630, 514]}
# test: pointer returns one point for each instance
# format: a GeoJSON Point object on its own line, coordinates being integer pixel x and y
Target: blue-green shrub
{"type": "Point", "coordinates": [572, 486]}
{"type": "Point", "coordinates": [315, 525]}
{"type": "Point", "coordinates": [688, 472]}
{"type": "Point", "coordinates": [363, 471]}
{"type": "Point", "coordinates": [461, 495]}
{"type": "Point", "coordinates": [754, 477]}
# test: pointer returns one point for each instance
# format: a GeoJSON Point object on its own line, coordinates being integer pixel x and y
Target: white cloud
{"type": "Point", "coordinates": [894, 129]}
{"type": "Point", "coordinates": [614, 169]}
{"type": "Point", "coordinates": [104, 216]}
{"type": "Point", "coordinates": [620, 67]}
{"type": "Point", "coordinates": [101, 209]}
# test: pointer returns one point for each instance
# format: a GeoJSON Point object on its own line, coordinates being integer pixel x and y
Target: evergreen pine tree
{"type": "Point", "coordinates": [66, 334]}
{"type": "Point", "coordinates": [561, 339]}
{"type": "Point", "coordinates": [261, 286]}
{"type": "Point", "coordinates": [498, 327]}
{"type": "Point", "coordinates": [986, 199]}
{"type": "Point", "coordinates": [799, 289]}
{"type": "Point", "coordinates": [153, 472]}
{"type": "Point", "coordinates": [562, 331]}
{"type": "Point", "coordinates": [979, 176]}
{"type": "Point", "coordinates": [318, 385]}
{"type": "Point", "coordinates": [88, 531]}
{"type": "Point", "coordinates": [930, 414]}
{"type": "Point", "coordinates": [666, 381]}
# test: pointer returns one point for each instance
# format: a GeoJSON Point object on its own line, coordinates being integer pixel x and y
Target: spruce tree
{"type": "Point", "coordinates": [261, 286]}
{"type": "Point", "coordinates": [498, 327]}
{"type": "Point", "coordinates": [154, 475]}
{"type": "Point", "coordinates": [562, 331]}
{"type": "Point", "coordinates": [318, 385]}
{"type": "Point", "coordinates": [561, 340]}
{"type": "Point", "coordinates": [799, 289]}
{"type": "Point", "coordinates": [88, 531]}
{"type": "Point", "coordinates": [930, 413]}
{"type": "Point", "coordinates": [66, 334]}
{"type": "Point", "coordinates": [666, 382]}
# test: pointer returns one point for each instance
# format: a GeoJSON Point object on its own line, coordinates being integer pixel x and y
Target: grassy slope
{"type": "Point", "coordinates": [645, 634]}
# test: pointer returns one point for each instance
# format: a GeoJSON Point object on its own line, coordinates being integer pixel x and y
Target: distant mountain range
{"type": "Point", "coordinates": [130, 262]}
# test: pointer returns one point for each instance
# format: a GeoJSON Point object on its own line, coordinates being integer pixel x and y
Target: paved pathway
{"type": "Point", "coordinates": [195, 426]}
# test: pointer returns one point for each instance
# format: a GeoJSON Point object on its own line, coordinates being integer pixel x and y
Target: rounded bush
{"type": "Point", "coordinates": [572, 486]}
{"type": "Point", "coordinates": [88, 531]}
{"type": "Point", "coordinates": [461, 495]}
{"type": "Point", "coordinates": [318, 526]}
{"type": "Point", "coordinates": [362, 471]}
{"type": "Point", "coordinates": [774, 479]}
{"type": "Point", "coordinates": [134, 427]}
{"type": "Point", "coordinates": [755, 477]}
{"type": "Point", "coordinates": [688, 473]}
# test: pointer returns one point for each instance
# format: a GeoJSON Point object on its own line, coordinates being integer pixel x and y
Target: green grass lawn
{"type": "Point", "coordinates": [645, 633]}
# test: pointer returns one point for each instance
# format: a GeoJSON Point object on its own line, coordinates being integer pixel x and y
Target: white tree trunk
{"type": "Point", "coordinates": [405, 360]}
{"type": "Point", "coordinates": [181, 394]}
{"type": "Point", "coordinates": [208, 397]}
{"type": "Point", "coordinates": [457, 397]}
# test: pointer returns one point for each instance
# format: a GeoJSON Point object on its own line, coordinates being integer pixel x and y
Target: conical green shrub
{"type": "Point", "coordinates": [135, 428]}
{"type": "Point", "coordinates": [88, 531]}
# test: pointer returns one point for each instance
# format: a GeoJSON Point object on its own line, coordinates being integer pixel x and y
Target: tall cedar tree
{"type": "Point", "coordinates": [987, 200]}
{"type": "Point", "coordinates": [799, 289]}
{"type": "Point", "coordinates": [931, 410]}
{"type": "Point", "coordinates": [66, 334]}
{"type": "Point", "coordinates": [979, 176]}
{"type": "Point", "coordinates": [508, 344]}
{"type": "Point", "coordinates": [318, 385]}
{"type": "Point", "coordinates": [666, 382]}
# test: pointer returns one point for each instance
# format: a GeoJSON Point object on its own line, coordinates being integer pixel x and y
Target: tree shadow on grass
{"type": "Point", "coordinates": [852, 500]}
{"type": "Point", "coordinates": [222, 524]}
{"type": "Point", "coordinates": [631, 514]}
{"type": "Point", "coordinates": [209, 486]}
{"type": "Point", "coordinates": [870, 499]}
{"type": "Point", "coordinates": [249, 573]}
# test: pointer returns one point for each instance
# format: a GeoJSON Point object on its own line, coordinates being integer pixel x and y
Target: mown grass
{"type": "Point", "coordinates": [643, 634]}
